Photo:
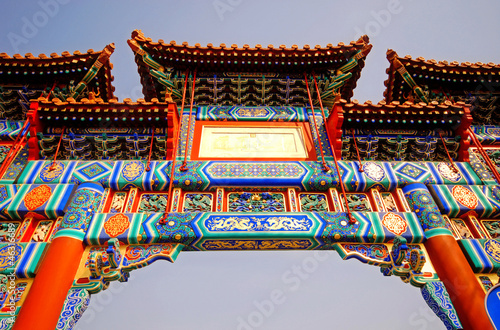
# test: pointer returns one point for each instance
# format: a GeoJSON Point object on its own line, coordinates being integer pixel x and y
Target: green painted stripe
{"type": "Point", "coordinates": [50, 207]}
{"type": "Point", "coordinates": [135, 228]}
{"type": "Point", "coordinates": [450, 200]}
{"type": "Point", "coordinates": [16, 202]}
{"type": "Point", "coordinates": [472, 174]}
{"type": "Point", "coordinates": [438, 232]}
{"type": "Point", "coordinates": [92, 236]}
{"type": "Point", "coordinates": [378, 229]}
{"type": "Point", "coordinates": [26, 172]}
{"type": "Point", "coordinates": [415, 227]}
{"type": "Point", "coordinates": [488, 207]}
{"type": "Point", "coordinates": [472, 255]}
{"type": "Point", "coordinates": [72, 233]}
{"type": "Point", "coordinates": [35, 259]}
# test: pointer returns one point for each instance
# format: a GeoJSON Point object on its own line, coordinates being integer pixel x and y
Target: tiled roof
{"type": "Point", "coordinates": [224, 50]}
{"type": "Point", "coordinates": [407, 115]}
{"type": "Point", "coordinates": [42, 71]}
{"type": "Point", "coordinates": [210, 60]}
{"type": "Point", "coordinates": [451, 77]}
{"type": "Point", "coordinates": [88, 110]}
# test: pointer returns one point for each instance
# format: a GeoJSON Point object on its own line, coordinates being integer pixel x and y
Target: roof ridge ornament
{"type": "Point", "coordinates": [155, 68]}
{"type": "Point", "coordinates": [342, 74]}
{"type": "Point", "coordinates": [392, 56]}
{"type": "Point", "coordinates": [101, 60]}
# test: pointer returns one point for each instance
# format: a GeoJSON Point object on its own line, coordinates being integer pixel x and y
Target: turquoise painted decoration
{"type": "Point", "coordinates": [438, 299]}
{"type": "Point", "coordinates": [75, 305]}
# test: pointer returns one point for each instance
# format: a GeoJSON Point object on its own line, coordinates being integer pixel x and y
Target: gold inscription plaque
{"type": "Point", "coordinates": [252, 142]}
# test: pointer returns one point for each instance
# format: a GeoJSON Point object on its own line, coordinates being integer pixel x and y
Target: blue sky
{"type": "Point", "coordinates": [219, 290]}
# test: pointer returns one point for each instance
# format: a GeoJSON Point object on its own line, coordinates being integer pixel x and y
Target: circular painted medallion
{"type": "Point", "coordinates": [394, 223]}
{"type": "Point", "coordinates": [447, 172]}
{"type": "Point", "coordinates": [465, 196]}
{"type": "Point", "coordinates": [133, 170]}
{"type": "Point", "coordinates": [51, 171]}
{"type": "Point", "coordinates": [116, 225]}
{"type": "Point", "coordinates": [374, 171]}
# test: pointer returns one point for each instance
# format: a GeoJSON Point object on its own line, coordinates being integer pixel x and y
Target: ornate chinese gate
{"type": "Point", "coordinates": [242, 149]}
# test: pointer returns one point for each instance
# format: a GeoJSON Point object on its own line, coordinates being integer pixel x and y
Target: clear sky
{"type": "Point", "coordinates": [258, 290]}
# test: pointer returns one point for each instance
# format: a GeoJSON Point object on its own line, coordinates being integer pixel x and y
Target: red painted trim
{"type": "Point", "coordinates": [460, 282]}
{"type": "Point", "coordinates": [334, 127]}
{"type": "Point", "coordinates": [308, 140]}
{"type": "Point", "coordinates": [463, 131]}
{"type": "Point", "coordinates": [36, 126]}
{"type": "Point", "coordinates": [399, 203]}
{"type": "Point", "coordinates": [172, 130]}
{"type": "Point", "coordinates": [45, 300]}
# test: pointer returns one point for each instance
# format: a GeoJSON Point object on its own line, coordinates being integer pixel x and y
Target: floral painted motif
{"type": "Point", "coordinates": [37, 197]}
{"type": "Point", "coordinates": [465, 197]}
{"type": "Point", "coordinates": [153, 203]}
{"type": "Point", "coordinates": [394, 223]}
{"type": "Point", "coordinates": [51, 171]}
{"type": "Point", "coordinates": [462, 229]}
{"type": "Point", "coordinates": [374, 171]}
{"type": "Point", "coordinates": [372, 253]}
{"type": "Point", "coordinates": [220, 196]}
{"type": "Point", "coordinates": [41, 231]}
{"type": "Point", "coordinates": [9, 255]}
{"type": "Point", "coordinates": [358, 202]}
{"type": "Point", "coordinates": [133, 170]}
{"type": "Point", "coordinates": [492, 248]}
{"type": "Point", "coordinates": [338, 228]}
{"type": "Point", "coordinates": [232, 223]}
{"type": "Point", "coordinates": [410, 170]}
{"type": "Point", "coordinates": [256, 202]}
{"type": "Point", "coordinates": [116, 225]}
{"type": "Point", "coordinates": [177, 228]}
{"type": "Point", "coordinates": [197, 203]}
{"type": "Point", "coordinates": [94, 169]}
{"type": "Point", "coordinates": [117, 202]}
{"type": "Point", "coordinates": [276, 244]}
{"type": "Point", "coordinates": [138, 256]}
{"type": "Point", "coordinates": [82, 208]}
{"type": "Point", "coordinates": [448, 172]}
{"type": "Point", "coordinates": [493, 228]}
{"type": "Point", "coordinates": [260, 170]}
{"type": "Point", "coordinates": [252, 112]}
{"type": "Point", "coordinates": [389, 202]}
{"type": "Point", "coordinates": [427, 212]}
{"type": "Point", "coordinates": [313, 202]}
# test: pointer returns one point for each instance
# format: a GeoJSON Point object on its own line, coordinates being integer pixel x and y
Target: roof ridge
{"type": "Point", "coordinates": [138, 36]}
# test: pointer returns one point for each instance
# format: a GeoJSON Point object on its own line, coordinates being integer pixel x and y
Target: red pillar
{"type": "Point", "coordinates": [45, 299]}
{"type": "Point", "coordinates": [460, 282]}
{"type": "Point", "coordinates": [448, 260]}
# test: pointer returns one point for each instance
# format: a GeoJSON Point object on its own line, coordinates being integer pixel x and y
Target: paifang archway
{"type": "Point", "coordinates": [248, 149]}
